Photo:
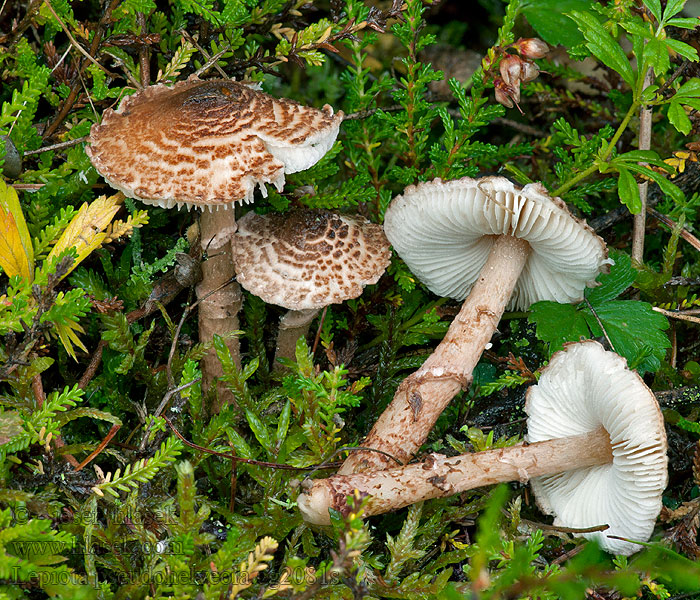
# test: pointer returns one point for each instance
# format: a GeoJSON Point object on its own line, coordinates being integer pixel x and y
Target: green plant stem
{"type": "Point", "coordinates": [565, 187]}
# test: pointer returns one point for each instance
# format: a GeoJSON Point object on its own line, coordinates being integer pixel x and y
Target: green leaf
{"type": "Point", "coordinates": [666, 186]}
{"type": "Point", "coordinates": [603, 45]}
{"type": "Point", "coordinates": [260, 431]}
{"type": "Point", "coordinates": [283, 424]}
{"type": "Point", "coordinates": [656, 56]}
{"type": "Point", "coordinates": [551, 24]}
{"type": "Point", "coordinates": [678, 118]}
{"type": "Point", "coordinates": [629, 191]}
{"type": "Point", "coordinates": [632, 327]}
{"type": "Point", "coordinates": [655, 7]}
{"type": "Point", "coordinates": [636, 156]}
{"type": "Point", "coordinates": [612, 284]}
{"type": "Point", "coordinates": [690, 89]}
{"type": "Point", "coordinates": [557, 323]}
{"type": "Point", "coordinates": [690, 23]}
{"type": "Point", "coordinates": [635, 330]}
{"type": "Point", "coordinates": [673, 7]}
{"type": "Point", "coordinates": [685, 50]}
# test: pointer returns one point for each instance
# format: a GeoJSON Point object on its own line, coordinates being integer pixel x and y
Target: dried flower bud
{"type": "Point", "coordinates": [530, 71]}
{"type": "Point", "coordinates": [531, 47]}
{"type": "Point", "coordinates": [502, 96]}
{"type": "Point", "coordinates": [511, 69]}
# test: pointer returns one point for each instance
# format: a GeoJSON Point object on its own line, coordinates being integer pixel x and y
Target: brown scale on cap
{"type": "Point", "coordinates": [309, 258]}
{"type": "Point", "coordinates": [207, 142]}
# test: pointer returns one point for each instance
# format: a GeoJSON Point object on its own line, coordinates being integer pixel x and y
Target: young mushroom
{"type": "Point", "coordinates": [496, 243]}
{"type": "Point", "coordinates": [209, 144]}
{"type": "Point", "coordinates": [595, 454]}
{"type": "Point", "coordinates": [305, 261]}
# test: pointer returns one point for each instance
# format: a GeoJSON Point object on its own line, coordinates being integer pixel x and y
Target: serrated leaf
{"type": "Point", "coordinates": [689, 23]}
{"type": "Point", "coordinates": [628, 191]}
{"type": "Point", "coordinates": [690, 88]}
{"type": "Point", "coordinates": [678, 118]}
{"type": "Point", "coordinates": [612, 284]}
{"type": "Point", "coordinates": [655, 7]}
{"type": "Point", "coordinates": [603, 45]}
{"type": "Point", "coordinates": [557, 323]}
{"type": "Point", "coordinates": [656, 55]}
{"type": "Point", "coordinates": [633, 326]}
{"type": "Point", "coordinates": [673, 7]}
{"type": "Point", "coordinates": [16, 250]}
{"type": "Point", "coordinates": [685, 50]}
{"type": "Point", "coordinates": [85, 232]}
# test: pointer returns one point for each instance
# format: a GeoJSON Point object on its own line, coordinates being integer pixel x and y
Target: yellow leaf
{"type": "Point", "coordinates": [84, 232]}
{"type": "Point", "coordinates": [16, 250]}
{"type": "Point", "coordinates": [66, 333]}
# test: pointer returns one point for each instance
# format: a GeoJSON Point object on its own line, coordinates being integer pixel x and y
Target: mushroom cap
{"type": "Point", "coordinates": [585, 387]}
{"type": "Point", "coordinates": [207, 143]}
{"type": "Point", "coordinates": [444, 232]}
{"type": "Point", "coordinates": [308, 259]}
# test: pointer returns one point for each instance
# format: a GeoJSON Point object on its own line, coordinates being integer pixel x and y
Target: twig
{"type": "Point", "coordinates": [58, 146]}
{"type": "Point", "coordinates": [103, 444]}
{"type": "Point", "coordinates": [73, 96]}
{"type": "Point", "coordinates": [204, 53]}
{"type": "Point", "coordinates": [166, 398]}
{"type": "Point", "coordinates": [600, 324]}
{"type": "Point", "coordinates": [318, 331]}
{"type": "Point", "coordinates": [38, 390]}
{"type": "Point", "coordinates": [682, 281]}
{"type": "Point", "coordinates": [676, 74]}
{"type": "Point", "coordinates": [685, 234]}
{"type": "Point", "coordinates": [77, 46]}
{"type": "Point", "coordinates": [639, 225]}
{"type": "Point", "coordinates": [681, 316]}
{"type": "Point", "coordinates": [248, 461]}
{"type": "Point", "coordinates": [92, 367]}
{"type": "Point", "coordinates": [144, 52]}
{"type": "Point", "coordinates": [368, 112]}
{"type": "Point", "coordinates": [207, 65]}
{"type": "Point", "coordinates": [26, 21]}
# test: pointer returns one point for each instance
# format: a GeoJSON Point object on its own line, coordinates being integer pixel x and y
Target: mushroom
{"type": "Point", "coordinates": [208, 144]}
{"type": "Point", "coordinates": [305, 261]}
{"type": "Point", "coordinates": [497, 243]}
{"type": "Point", "coordinates": [595, 450]}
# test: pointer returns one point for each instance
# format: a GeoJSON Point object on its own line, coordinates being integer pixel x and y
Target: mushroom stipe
{"type": "Point", "coordinates": [496, 244]}
{"type": "Point", "coordinates": [595, 452]}
{"type": "Point", "coordinates": [209, 144]}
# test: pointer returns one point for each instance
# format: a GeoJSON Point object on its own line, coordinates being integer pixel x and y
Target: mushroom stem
{"type": "Point", "coordinates": [420, 399]}
{"type": "Point", "coordinates": [293, 325]}
{"type": "Point", "coordinates": [218, 310]}
{"type": "Point", "coordinates": [439, 476]}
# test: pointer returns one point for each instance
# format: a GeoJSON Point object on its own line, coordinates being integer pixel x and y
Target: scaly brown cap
{"type": "Point", "coordinates": [207, 143]}
{"type": "Point", "coordinates": [308, 259]}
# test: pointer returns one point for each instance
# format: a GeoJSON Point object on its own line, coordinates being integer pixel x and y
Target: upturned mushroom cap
{"type": "Point", "coordinates": [444, 232]}
{"type": "Point", "coordinates": [308, 259]}
{"type": "Point", "coordinates": [207, 143]}
{"type": "Point", "coordinates": [585, 387]}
